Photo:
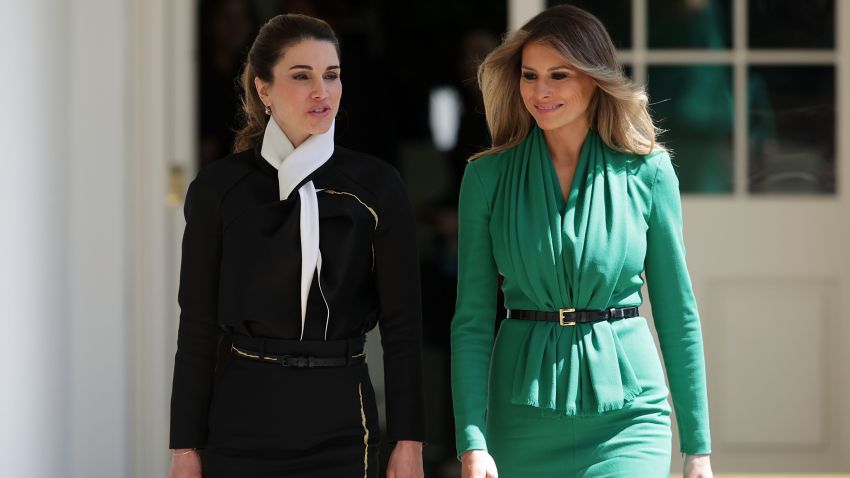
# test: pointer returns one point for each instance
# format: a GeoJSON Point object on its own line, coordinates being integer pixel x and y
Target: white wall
{"type": "Point", "coordinates": [63, 307]}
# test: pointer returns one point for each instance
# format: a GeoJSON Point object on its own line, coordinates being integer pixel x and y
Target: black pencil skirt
{"type": "Point", "coordinates": [268, 421]}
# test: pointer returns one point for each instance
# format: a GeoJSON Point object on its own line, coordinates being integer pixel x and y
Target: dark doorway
{"type": "Point", "coordinates": [410, 97]}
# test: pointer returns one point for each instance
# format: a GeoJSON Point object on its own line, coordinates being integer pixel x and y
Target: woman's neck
{"type": "Point", "coordinates": [295, 138]}
{"type": "Point", "coordinates": [565, 143]}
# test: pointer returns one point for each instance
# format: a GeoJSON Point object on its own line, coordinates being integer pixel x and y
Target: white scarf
{"type": "Point", "coordinates": [293, 166]}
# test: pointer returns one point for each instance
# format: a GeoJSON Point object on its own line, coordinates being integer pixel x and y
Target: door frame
{"type": "Point", "coordinates": [162, 72]}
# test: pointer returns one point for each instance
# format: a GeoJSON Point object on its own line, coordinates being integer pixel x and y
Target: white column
{"type": "Point", "coordinates": [34, 281]}
{"type": "Point", "coordinates": [63, 306]}
{"type": "Point", "coordinates": [521, 11]}
{"type": "Point", "coordinates": [98, 218]}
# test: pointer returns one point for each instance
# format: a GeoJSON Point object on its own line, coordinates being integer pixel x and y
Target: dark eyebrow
{"type": "Point", "coordinates": [308, 67]}
{"type": "Point", "coordinates": [562, 67]}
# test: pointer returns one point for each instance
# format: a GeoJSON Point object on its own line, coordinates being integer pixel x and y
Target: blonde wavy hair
{"type": "Point", "coordinates": [618, 110]}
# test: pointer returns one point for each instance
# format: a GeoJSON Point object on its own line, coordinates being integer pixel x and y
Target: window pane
{"type": "Point", "coordinates": [792, 24]}
{"type": "Point", "coordinates": [792, 129]}
{"type": "Point", "coordinates": [690, 24]}
{"type": "Point", "coordinates": [695, 105]}
{"type": "Point", "coordinates": [616, 15]}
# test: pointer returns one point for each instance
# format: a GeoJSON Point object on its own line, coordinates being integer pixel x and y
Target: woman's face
{"type": "Point", "coordinates": [304, 95]}
{"type": "Point", "coordinates": [556, 94]}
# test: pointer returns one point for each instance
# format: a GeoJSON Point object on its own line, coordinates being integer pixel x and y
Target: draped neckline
{"type": "Point", "coordinates": [564, 203]}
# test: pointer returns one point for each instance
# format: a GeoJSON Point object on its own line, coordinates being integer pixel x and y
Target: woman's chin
{"type": "Point", "coordinates": [548, 124]}
{"type": "Point", "coordinates": [321, 127]}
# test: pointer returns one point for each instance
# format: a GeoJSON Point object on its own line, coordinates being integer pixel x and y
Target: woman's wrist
{"type": "Point", "coordinates": [698, 459]}
{"type": "Point", "coordinates": [182, 451]}
{"type": "Point", "coordinates": [470, 452]}
{"type": "Point", "coordinates": [409, 443]}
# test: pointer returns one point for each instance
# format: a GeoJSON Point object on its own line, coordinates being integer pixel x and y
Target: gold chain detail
{"type": "Point", "coordinates": [374, 214]}
{"type": "Point", "coordinates": [365, 433]}
{"type": "Point", "coordinates": [246, 354]}
{"type": "Point", "coordinates": [345, 193]}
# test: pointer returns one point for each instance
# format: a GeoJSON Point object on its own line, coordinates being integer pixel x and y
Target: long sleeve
{"type": "Point", "coordinates": [197, 336]}
{"type": "Point", "coordinates": [400, 313]}
{"type": "Point", "coordinates": [674, 310]}
{"type": "Point", "coordinates": [475, 314]}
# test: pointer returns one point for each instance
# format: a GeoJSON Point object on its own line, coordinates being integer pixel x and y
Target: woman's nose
{"type": "Point", "coordinates": [543, 89]}
{"type": "Point", "coordinates": [320, 91]}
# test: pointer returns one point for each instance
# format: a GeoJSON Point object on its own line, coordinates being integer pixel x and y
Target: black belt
{"type": "Point", "coordinates": [298, 353]}
{"type": "Point", "coordinates": [573, 317]}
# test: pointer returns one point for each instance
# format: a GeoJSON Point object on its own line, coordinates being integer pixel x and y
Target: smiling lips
{"type": "Point", "coordinates": [320, 111]}
{"type": "Point", "coordinates": [548, 108]}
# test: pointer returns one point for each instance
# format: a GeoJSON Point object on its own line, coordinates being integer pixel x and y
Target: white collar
{"type": "Point", "coordinates": [299, 162]}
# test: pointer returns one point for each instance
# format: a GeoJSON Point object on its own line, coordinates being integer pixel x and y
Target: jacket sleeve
{"type": "Point", "coordinates": [674, 310]}
{"type": "Point", "coordinates": [400, 312]}
{"type": "Point", "coordinates": [475, 314]}
{"type": "Point", "coordinates": [198, 332]}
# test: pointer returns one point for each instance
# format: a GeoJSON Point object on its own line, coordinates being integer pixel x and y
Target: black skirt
{"type": "Point", "coordinates": [268, 421]}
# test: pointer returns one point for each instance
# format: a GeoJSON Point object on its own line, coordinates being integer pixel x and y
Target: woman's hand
{"type": "Point", "coordinates": [185, 465]}
{"type": "Point", "coordinates": [406, 460]}
{"type": "Point", "coordinates": [478, 464]}
{"type": "Point", "coordinates": [697, 466]}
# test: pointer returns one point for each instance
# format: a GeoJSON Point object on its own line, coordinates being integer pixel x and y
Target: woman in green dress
{"type": "Point", "coordinates": [574, 204]}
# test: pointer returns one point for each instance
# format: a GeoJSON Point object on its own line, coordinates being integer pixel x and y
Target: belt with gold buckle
{"type": "Point", "coordinates": [568, 317]}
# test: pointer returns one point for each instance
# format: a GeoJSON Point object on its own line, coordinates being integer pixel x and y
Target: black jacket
{"type": "Point", "coordinates": [240, 273]}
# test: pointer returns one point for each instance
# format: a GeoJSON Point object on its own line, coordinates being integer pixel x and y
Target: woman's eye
{"type": "Point", "coordinates": [529, 76]}
{"type": "Point", "coordinates": [300, 76]}
{"type": "Point", "coordinates": [332, 77]}
{"type": "Point", "coordinates": [560, 76]}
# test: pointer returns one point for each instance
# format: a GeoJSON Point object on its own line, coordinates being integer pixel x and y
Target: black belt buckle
{"type": "Point", "coordinates": [297, 361]}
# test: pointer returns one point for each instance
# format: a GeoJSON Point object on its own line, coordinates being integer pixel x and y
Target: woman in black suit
{"type": "Point", "coordinates": [295, 248]}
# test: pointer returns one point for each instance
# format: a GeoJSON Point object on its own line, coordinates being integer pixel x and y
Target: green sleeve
{"type": "Point", "coordinates": [475, 314]}
{"type": "Point", "coordinates": [674, 310]}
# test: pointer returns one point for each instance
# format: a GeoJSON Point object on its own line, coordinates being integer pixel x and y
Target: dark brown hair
{"type": "Point", "coordinates": [271, 43]}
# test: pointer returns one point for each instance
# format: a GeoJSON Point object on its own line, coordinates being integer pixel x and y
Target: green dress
{"type": "Point", "coordinates": [588, 400]}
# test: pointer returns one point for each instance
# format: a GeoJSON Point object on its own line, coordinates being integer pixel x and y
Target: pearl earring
{"type": "Point", "coordinates": [268, 110]}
